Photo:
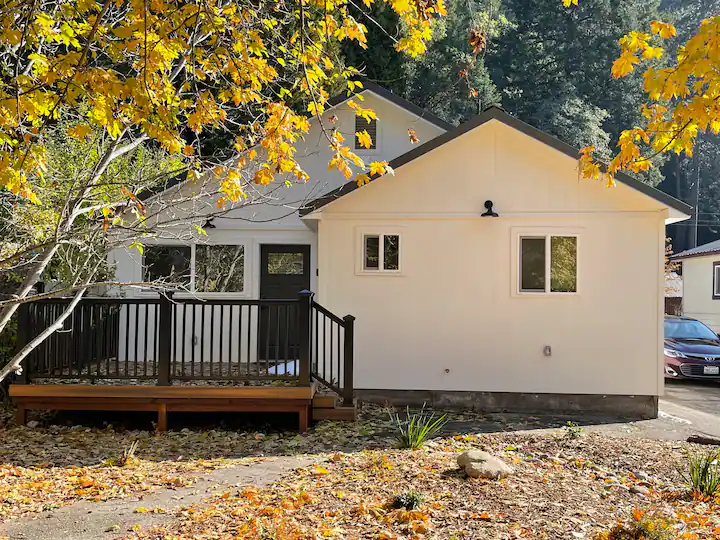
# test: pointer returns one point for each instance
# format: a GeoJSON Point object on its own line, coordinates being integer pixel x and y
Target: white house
{"type": "Point", "coordinates": [485, 273]}
{"type": "Point", "coordinates": [701, 283]}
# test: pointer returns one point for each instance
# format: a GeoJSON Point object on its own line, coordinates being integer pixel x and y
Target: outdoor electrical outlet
{"type": "Point", "coordinates": [547, 351]}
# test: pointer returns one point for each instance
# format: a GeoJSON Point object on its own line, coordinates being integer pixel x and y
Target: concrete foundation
{"type": "Point", "coordinates": [621, 406]}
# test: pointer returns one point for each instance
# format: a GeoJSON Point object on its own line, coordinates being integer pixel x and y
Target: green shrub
{"type": "Point", "coordinates": [410, 500]}
{"type": "Point", "coordinates": [416, 429]}
{"type": "Point", "coordinates": [572, 430]}
{"type": "Point", "coordinates": [702, 473]}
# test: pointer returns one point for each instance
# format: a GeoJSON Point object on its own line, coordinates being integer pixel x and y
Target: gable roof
{"type": "Point", "coordinates": [710, 248]}
{"type": "Point", "coordinates": [395, 99]}
{"type": "Point", "coordinates": [496, 113]}
{"type": "Point", "coordinates": [332, 102]}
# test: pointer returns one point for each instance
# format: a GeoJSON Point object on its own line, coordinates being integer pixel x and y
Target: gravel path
{"type": "Point", "coordinates": [114, 518]}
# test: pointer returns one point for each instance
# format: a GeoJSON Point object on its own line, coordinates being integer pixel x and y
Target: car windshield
{"type": "Point", "coordinates": [687, 329]}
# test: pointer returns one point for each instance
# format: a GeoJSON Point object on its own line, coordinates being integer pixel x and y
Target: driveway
{"type": "Point", "coordinates": [696, 402]}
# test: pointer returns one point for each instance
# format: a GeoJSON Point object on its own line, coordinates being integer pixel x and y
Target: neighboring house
{"type": "Point", "coordinates": [701, 283]}
{"type": "Point", "coordinates": [485, 273]}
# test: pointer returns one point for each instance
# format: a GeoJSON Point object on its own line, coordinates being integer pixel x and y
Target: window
{"type": "Point", "coordinates": [202, 268]}
{"type": "Point", "coordinates": [170, 264]}
{"type": "Point", "coordinates": [381, 252]}
{"type": "Point", "coordinates": [219, 268]}
{"type": "Point", "coordinates": [548, 256]}
{"type": "Point", "coordinates": [285, 263]}
{"type": "Point", "coordinates": [716, 280]}
{"type": "Point", "coordinates": [364, 125]}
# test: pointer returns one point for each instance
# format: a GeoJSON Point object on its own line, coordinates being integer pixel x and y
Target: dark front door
{"type": "Point", "coordinates": [284, 272]}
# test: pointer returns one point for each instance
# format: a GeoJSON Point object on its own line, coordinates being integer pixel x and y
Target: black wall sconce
{"type": "Point", "coordinates": [489, 212]}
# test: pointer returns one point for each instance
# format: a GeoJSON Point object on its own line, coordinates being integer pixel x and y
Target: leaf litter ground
{"type": "Point", "coordinates": [564, 487]}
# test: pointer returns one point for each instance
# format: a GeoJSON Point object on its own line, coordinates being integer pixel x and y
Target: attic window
{"type": "Point", "coordinates": [364, 125]}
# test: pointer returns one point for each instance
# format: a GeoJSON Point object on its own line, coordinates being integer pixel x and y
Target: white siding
{"type": "Point", "coordinates": [452, 320]}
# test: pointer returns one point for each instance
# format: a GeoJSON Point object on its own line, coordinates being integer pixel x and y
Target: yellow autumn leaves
{"type": "Point", "coordinates": [165, 68]}
{"type": "Point", "coordinates": [683, 96]}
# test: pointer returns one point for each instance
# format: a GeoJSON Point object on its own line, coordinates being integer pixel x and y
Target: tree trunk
{"type": "Point", "coordinates": [16, 363]}
{"type": "Point", "coordinates": [30, 280]}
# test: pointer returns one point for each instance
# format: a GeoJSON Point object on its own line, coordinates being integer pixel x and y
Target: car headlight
{"type": "Point", "coordinates": [674, 354]}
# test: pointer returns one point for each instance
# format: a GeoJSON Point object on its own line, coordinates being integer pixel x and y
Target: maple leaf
{"type": "Point", "coordinates": [80, 131]}
{"type": "Point", "coordinates": [652, 52]}
{"type": "Point", "coordinates": [624, 64]}
{"type": "Point", "coordinates": [364, 139]}
{"type": "Point", "coordinates": [362, 179]}
{"type": "Point", "coordinates": [664, 30]}
{"type": "Point", "coordinates": [378, 167]}
{"type": "Point", "coordinates": [413, 136]}
{"type": "Point", "coordinates": [568, 3]}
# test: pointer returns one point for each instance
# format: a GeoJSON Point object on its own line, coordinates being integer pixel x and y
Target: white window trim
{"type": "Point", "coordinates": [245, 293]}
{"type": "Point", "coordinates": [547, 233]}
{"type": "Point", "coordinates": [381, 232]}
{"type": "Point", "coordinates": [716, 281]}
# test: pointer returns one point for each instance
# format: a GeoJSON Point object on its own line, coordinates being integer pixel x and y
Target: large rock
{"type": "Point", "coordinates": [479, 464]}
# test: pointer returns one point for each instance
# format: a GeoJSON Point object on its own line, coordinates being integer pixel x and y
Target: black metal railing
{"type": "Point", "coordinates": [189, 339]}
{"type": "Point", "coordinates": [103, 338]}
{"type": "Point", "coordinates": [332, 350]}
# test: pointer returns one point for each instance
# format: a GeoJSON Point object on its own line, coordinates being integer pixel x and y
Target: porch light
{"type": "Point", "coordinates": [489, 212]}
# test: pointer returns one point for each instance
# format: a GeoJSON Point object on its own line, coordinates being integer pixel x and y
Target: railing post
{"type": "Point", "coordinates": [348, 392]}
{"type": "Point", "coordinates": [304, 306]}
{"type": "Point", "coordinates": [164, 334]}
{"type": "Point", "coordinates": [21, 339]}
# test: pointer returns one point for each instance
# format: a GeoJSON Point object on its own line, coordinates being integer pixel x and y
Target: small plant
{"type": "Point", "coordinates": [702, 473]}
{"type": "Point", "coordinates": [410, 500]}
{"type": "Point", "coordinates": [572, 430]}
{"type": "Point", "coordinates": [416, 429]}
{"type": "Point", "coordinates": [127, 459]}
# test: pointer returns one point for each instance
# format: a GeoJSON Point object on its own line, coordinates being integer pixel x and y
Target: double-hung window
{"type": "Point", "coordinates": [381, 253]}
{"type": "Point", "coordinates": [548, 264]}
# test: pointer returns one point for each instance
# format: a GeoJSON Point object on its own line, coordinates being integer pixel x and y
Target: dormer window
{"type": "Point", "coordinates": [366, 125]}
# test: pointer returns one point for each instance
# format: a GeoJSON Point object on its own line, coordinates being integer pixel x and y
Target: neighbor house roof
{"type": "Point", "coordinates": [496, 113]}
{"type": "Point", "coordinates": [706, 249]}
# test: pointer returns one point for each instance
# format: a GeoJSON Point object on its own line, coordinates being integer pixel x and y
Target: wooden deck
{"type": "Point", "coordinates": [164, 399]}
{"type": "Point", "coordinates": [187, 354]}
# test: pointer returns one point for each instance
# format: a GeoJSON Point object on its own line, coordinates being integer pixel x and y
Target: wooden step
{"type": "Point", "coordinates": [324, 401]}
{"type": "Point", "coordinates": [346, 414]}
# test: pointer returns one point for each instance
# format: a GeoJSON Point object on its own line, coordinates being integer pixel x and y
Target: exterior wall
{"type": "Point", "coordinates": [698, 301]}
{"type": "Point", "coordinates": [452, 319]}
{"type": "Point", "coordinates": [270, 215]}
